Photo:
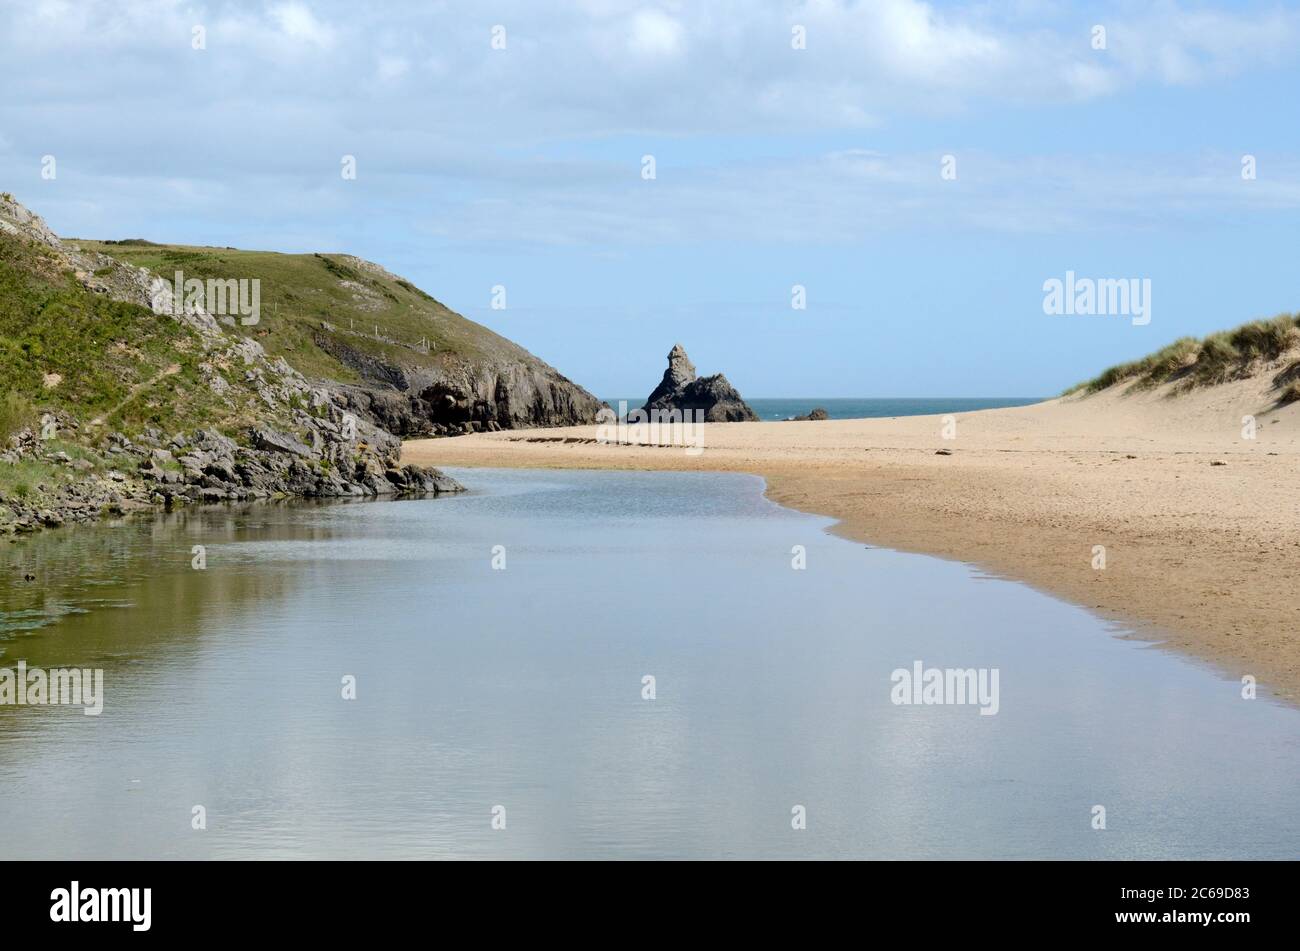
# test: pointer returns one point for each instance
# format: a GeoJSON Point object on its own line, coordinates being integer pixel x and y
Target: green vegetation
{"type": "Point", "coordinates": [16, 413]}
{"type": "Point", "coordinates": [1219, 357]}
{"type": "Point", "coordinates": [302, 292]}
{"type": "Point", "coordinates": [66, 349]}
{"type": "Point", "coordinates": [23, 479]}
{"type": "Point", "coordinates": [107, 364]}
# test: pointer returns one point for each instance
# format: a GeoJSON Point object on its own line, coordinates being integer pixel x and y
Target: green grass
{"type": "Point", "coordinates": [109, 357]}
{"type": "Point", "coordinates": [301, 291]}
{"type": "Point", "coordinates": [16, 413]}
{"type": "Point", "coordinates": [21, 480]}
{"type": "Point", "coordinates": [1215, 359]}
{"type": "Point", "coordinates": [101, 348]}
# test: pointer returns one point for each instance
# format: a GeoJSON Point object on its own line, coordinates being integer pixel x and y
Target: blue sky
{"type": "Point", "coordinates": [775, 166]}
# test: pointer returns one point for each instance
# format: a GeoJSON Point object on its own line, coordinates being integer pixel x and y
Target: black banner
{"type": "Point", "coordinates": [1221, 901]}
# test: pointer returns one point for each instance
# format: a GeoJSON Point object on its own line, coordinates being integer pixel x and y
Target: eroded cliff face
{"type": "Point", "coordinates": [394, 353]}
{"type": "Point", "coordinates": [101, 359]}
{"type": "Point", "coordinates": [449, 395]}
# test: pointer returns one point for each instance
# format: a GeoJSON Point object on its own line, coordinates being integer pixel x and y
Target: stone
{"type": "Point", "coordinates": [429, 481]}
{"type": "Point", "coordinates": [712, 396]}
{"type": "Point", "coordinates": [279, 442]}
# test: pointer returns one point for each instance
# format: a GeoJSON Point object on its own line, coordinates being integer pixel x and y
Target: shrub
{"type": "Point", "coordinates": [16, 414]}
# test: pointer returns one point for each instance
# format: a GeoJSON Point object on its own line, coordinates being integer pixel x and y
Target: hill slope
{"type": "Point", "coordinates": [401, 358]}
{"type": "Point", "coordinates": [107, 403]}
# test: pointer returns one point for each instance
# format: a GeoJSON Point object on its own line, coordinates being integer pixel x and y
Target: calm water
{"type": "Point", "coordinates": [522, 688]}
{"type": "Point", "coordinates": [861, 408]}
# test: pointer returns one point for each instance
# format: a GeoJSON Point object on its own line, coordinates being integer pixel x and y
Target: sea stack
{"type": "Point", "coordinates": [680, 389]}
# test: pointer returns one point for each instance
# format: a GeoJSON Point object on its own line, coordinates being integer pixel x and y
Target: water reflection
{"type": "Point", "coordinates": [522, 688]}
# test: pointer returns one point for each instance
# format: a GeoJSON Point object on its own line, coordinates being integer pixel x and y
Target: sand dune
{"type": "Point", "coordinates": [1204, 558]}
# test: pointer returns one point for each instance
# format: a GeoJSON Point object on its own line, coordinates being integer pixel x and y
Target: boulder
{"type": "Point", "coordinates": [431, 481]}
{"type": "Point", "coordinates": [817, 414]}
{"type": "Point", "coordinates": [279, 442]}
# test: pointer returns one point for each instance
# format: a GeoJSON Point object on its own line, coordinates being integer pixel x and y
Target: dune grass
{"type": "Point", "coordinates": [1217, 358]}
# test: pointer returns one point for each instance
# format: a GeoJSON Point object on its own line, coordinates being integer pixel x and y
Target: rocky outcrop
{"type": "Point", "coordinates": [681, 389]}
{"type": "Point", "coordinates": [284, 436]}
{"type": "Point", "coordinates": [818, 413]}
{"type": "Point", "coordinates": [207, 467]}
{"type": "Point", "coordinates": [451, 395]}
{"type": "Point", "coordinates": [475, 381]}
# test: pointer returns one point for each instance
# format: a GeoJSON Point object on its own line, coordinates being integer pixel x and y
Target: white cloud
{"type": "Point", "coordinates": [415, 91]}
{"type": "Point", "coordinates": [608, 66]}
{"type": "Point", "coordinates": [654, 33]}
{"type": "Point", "coordinates": [298, 24]}
{"type": "Point", "coordinates": [1179, 46]}
{"type": "Point", "coordinates": [845, 196]}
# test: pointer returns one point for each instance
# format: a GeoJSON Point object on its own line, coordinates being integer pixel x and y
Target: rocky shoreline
{"type": "Point", "coordinates": [206, 467]}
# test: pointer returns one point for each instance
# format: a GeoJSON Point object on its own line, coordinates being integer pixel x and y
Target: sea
{"type": "Point", "coordinates": [781, 408]}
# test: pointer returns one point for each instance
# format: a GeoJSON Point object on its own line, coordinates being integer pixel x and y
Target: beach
{"type": "Point", "coordinates": [1200, 524]}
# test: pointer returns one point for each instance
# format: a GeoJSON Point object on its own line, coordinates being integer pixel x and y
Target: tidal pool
{"type": "Point", "coordinates": [500, 644]}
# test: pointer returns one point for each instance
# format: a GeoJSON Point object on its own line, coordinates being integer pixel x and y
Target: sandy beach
{"type": "Point", "coordinates": [1201, 525]}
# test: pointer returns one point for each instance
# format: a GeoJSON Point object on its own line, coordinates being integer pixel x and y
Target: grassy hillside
{"type": "Point", "coordinates": [1256, 347]}
{"type": "Point", "coordinates": [67, 350]}
{"type": "Point", "coordinates": [108, 405]}
{"type": "Point", "coordinates": [368, 308]}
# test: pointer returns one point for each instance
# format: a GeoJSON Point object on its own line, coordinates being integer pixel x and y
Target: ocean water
{"type": "Point", "coordinates": [865, 408]}
{"type": "Point", "coordinates": [500, 643]}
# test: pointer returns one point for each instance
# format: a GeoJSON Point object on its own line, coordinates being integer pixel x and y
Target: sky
{"type": "Point", "coordinates": [919, 169]}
